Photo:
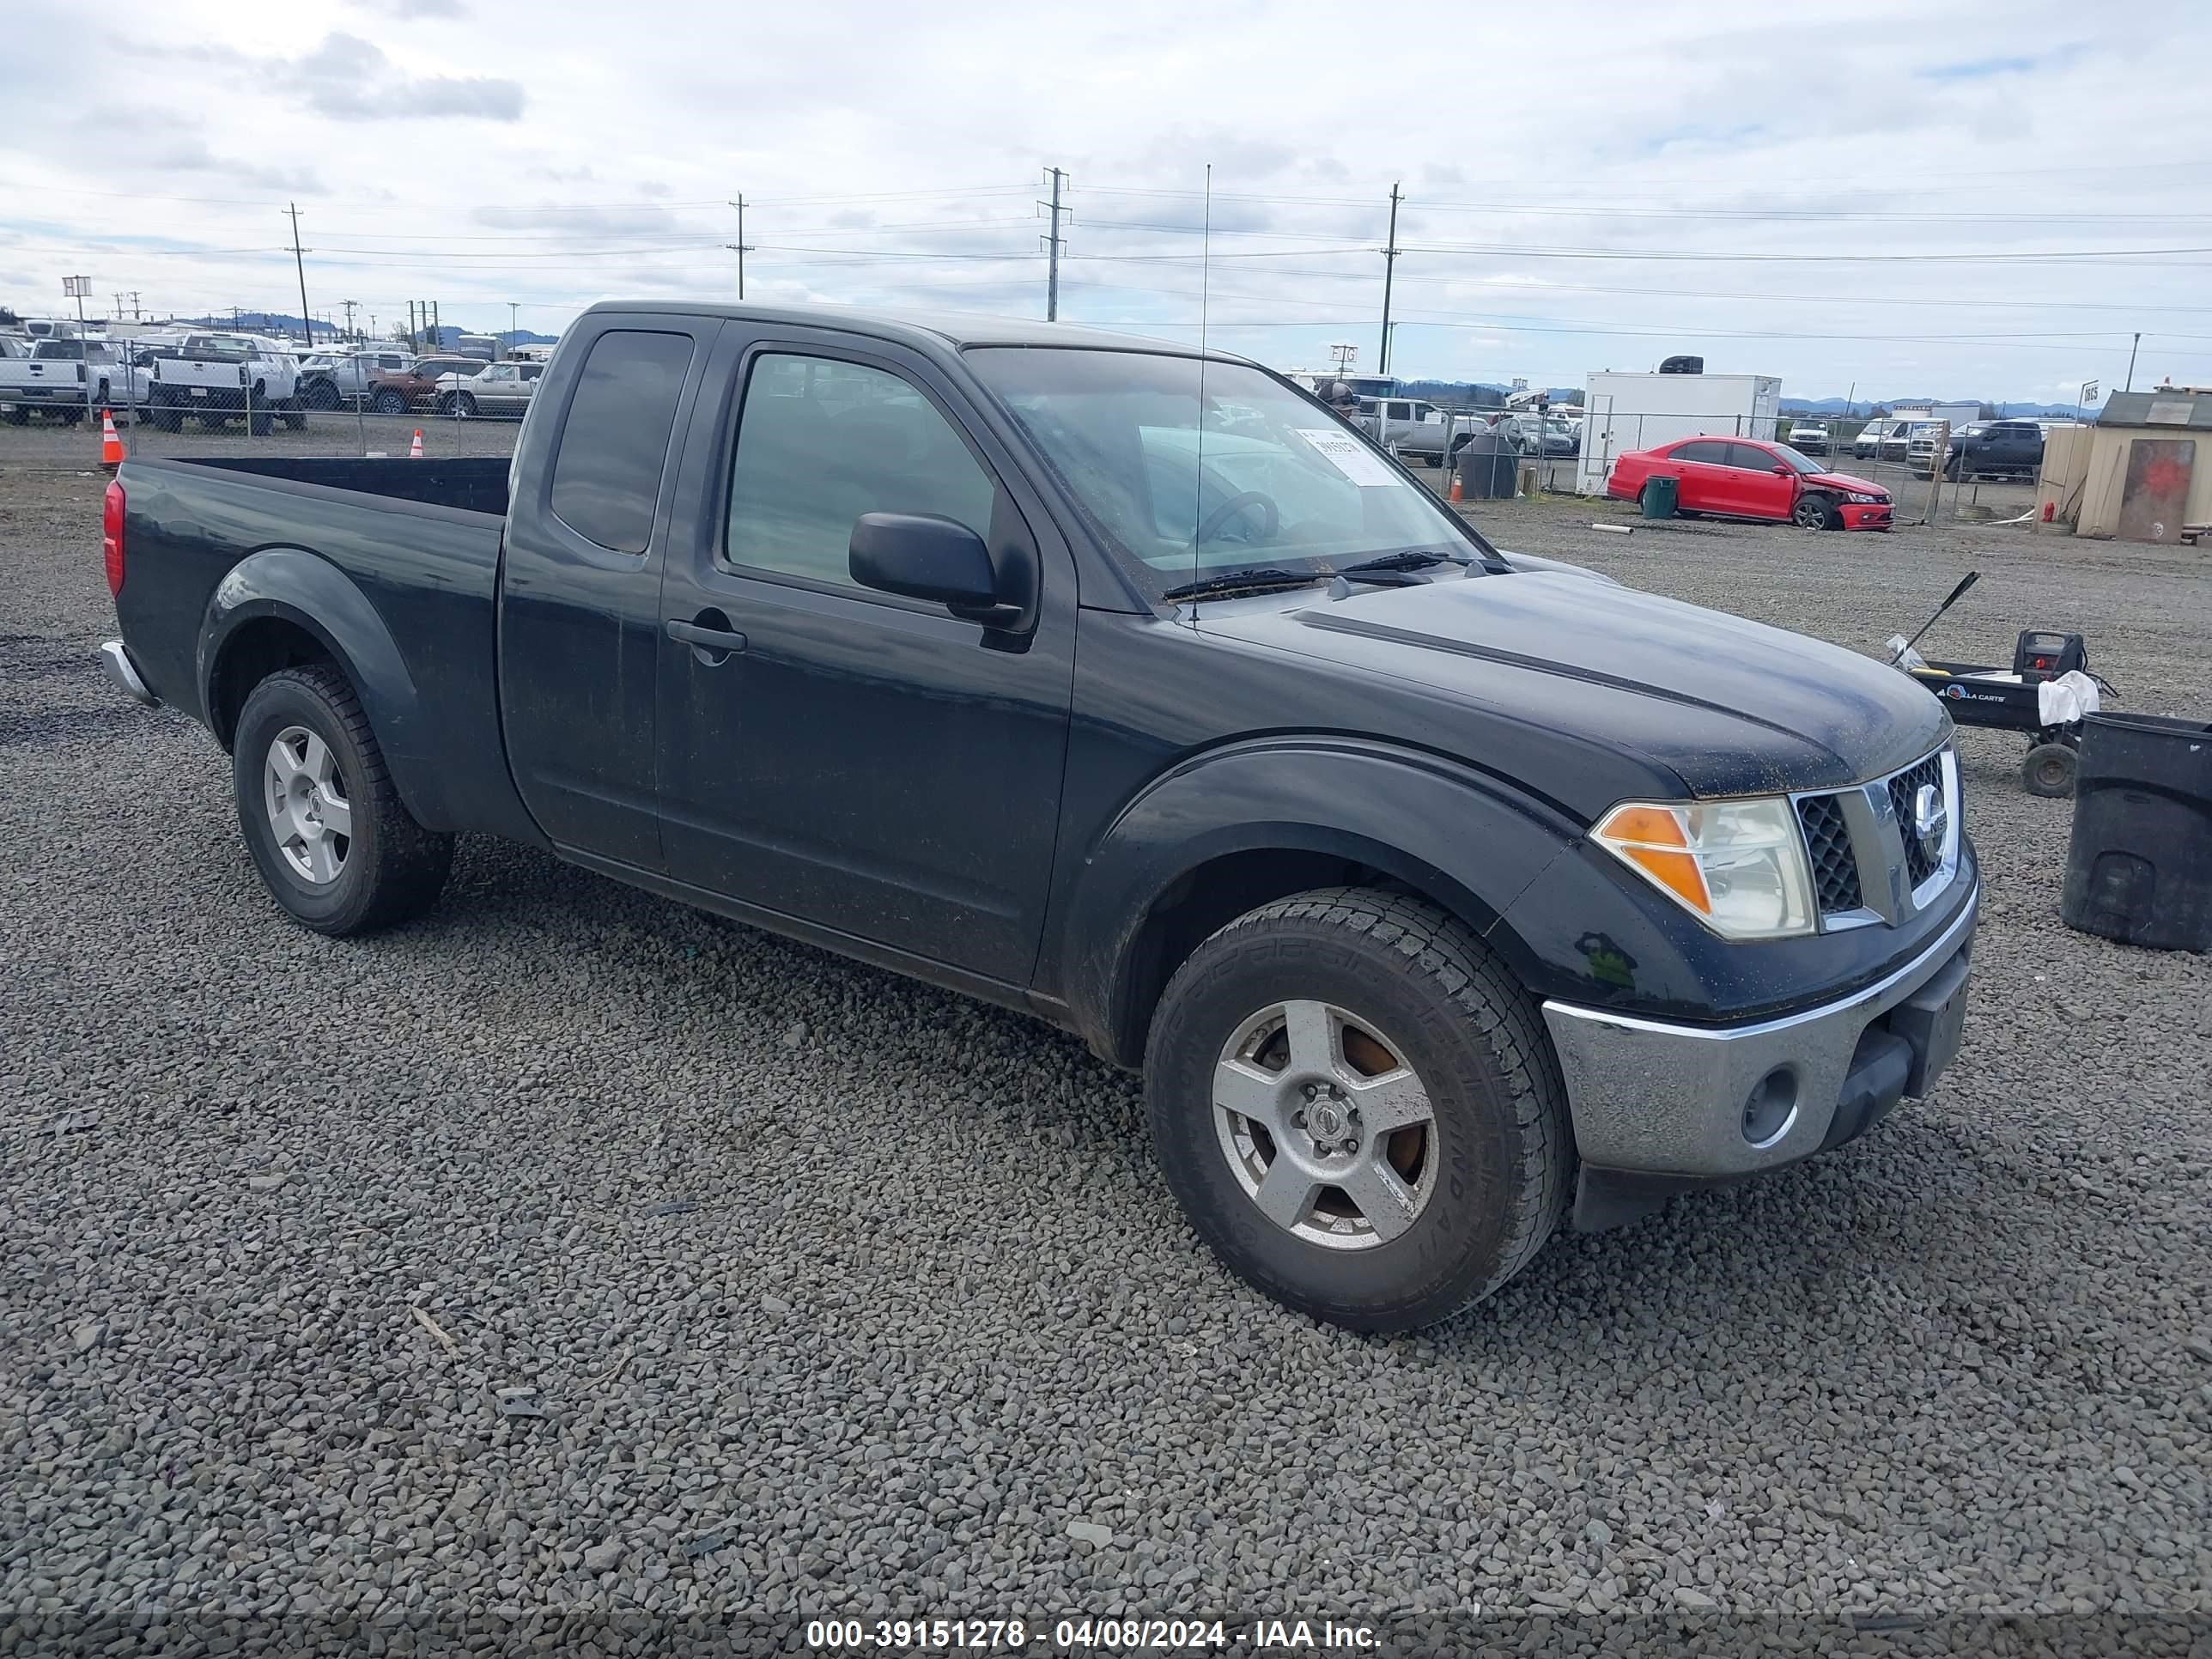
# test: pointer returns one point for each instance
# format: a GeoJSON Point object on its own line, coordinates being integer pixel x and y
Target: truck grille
{"type": "Point", "coordinates": [1841, 825]}
{"type": "Point", "coordinates": [1919, 864]}
{"type": "Point", "coordinates": [1828, 843]}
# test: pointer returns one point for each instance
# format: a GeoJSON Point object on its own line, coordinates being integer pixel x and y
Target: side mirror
{"type": "Point", "coordinates": [923, 556]}
{"type": "Point", "coordinates": [1780, 471]}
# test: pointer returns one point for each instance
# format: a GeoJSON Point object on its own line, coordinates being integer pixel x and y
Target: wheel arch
{"type": "Point", "coordinates": [284, 606]}
{"type": "Point", "coordinates": [1158, 884]}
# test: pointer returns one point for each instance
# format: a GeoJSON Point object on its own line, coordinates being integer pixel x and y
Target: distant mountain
{"type": "Point", "coordinates": [444, 338]}
{"type": "Point", "coordinates": [1835, 406]}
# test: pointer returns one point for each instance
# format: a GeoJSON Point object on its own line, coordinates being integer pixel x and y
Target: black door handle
{"type": "Point", "coordinates": [704, 639]}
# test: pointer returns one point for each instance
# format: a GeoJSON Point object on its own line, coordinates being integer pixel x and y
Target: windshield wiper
{"type": "Point", "coordinates": [1411, 558]}
{"type": "Point", "coordinates": [1241, 581]}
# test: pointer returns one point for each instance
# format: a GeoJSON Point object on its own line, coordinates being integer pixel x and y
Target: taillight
{"type": "Point", "coordinates": [111, 537]}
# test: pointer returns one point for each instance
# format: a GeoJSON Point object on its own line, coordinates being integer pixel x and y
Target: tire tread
{"type": "Point", "coordinates": [412, 862]}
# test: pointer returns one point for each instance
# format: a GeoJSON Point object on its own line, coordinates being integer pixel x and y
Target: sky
{"type": "Point", "coordinates": [1888, 199]}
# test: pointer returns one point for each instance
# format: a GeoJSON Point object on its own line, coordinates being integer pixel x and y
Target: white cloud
{"type": "Point", "coordinates": [499, 150]}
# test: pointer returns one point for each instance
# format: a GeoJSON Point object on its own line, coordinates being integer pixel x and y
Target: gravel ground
{"type": "Point", "coordinates": [570, 1251]}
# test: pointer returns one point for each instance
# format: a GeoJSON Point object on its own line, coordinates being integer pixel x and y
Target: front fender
{"type": "Point", "coordinates": [1470, 841]}
{"type": "Point", "coordinates": [307, 590]}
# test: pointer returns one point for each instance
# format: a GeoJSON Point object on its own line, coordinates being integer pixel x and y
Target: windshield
{"type": "Point", "coordinates": [1260, 477]}
{"type": "Point", "coordinates": [1802, 463]}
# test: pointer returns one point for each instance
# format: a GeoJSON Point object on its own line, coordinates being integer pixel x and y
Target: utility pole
{"type": "Point", "coordinates": [437, 329]}
{"type": "Point", "coordinates": [136, 315]}
{"type": "Point", "coordinates": [740, 247]}
{"type": "Point", "coordinates": [513, 325]}
{"type": "Point", "coordinates": [348, 305]}
{"type": "Point", "coordinates": [307, 317]}
{"type": "Point", "coordinates": [2131, 386]}
{"type": "Point", "coordinates": [1052, 244]}
{"type": "Point", "coordinates": [1389, 268]}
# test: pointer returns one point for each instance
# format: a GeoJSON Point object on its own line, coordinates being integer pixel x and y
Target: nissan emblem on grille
{"type": "Point", "coordinates": [1929, 819]}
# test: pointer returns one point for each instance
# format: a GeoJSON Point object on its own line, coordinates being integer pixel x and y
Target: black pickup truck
{"type": "Point", "coordinates": [1440, 894]}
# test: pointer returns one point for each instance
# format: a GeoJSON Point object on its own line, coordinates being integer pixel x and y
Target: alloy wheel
{"type": "Point", "coordinates": [1327, 1128]}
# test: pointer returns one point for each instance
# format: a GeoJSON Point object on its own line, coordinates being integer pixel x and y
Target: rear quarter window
{"type": "Point", "coordinates": [613, 445]}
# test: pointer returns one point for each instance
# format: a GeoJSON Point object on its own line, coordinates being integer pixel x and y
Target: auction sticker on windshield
{"type": "Point", "coordinates": [1349, 456]}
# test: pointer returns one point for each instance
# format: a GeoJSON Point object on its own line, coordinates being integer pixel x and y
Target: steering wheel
{"type": "Point", "coordinates": [1271, 521]}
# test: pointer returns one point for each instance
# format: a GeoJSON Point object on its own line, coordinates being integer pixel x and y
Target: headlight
{"type": "Point", "coordinates": [1738, 866]}
{"type": "Point", "coordinates": [1862, 496]}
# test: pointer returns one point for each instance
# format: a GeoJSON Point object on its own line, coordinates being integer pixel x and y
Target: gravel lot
{"type": "Point", "coordinates": [573, 1252]}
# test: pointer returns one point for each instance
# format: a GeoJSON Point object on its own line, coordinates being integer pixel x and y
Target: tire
{"type": "Point", "coordinates": [1816, 512]}
{"type": "Point", "coordinates": [214, 422]}
{"type": "Point", "coordinates": [467, 405]}
{"type": "Point", "coordinates": [1956, 471]}
{"type": "Point", "coordinates": [19, 416]}
{"type": "Point", "coordinates": [388, 868]}
{"type": "Point", "coordinates": [70, 417]}
{"type": "Point", "coordinates": [320, 394]}
{"type": "Point", "coordinates": [2049, 770]}
{"type": "Point", "coordinates": [1487, 1169]}
{"type": "Point", "coordinates": [389, 402]}
{"type": "Point", "coordinates": [260, 423]}
{"type": "Point", "coordinates": [167, 419]}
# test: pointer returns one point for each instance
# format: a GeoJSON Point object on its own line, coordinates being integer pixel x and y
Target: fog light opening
{"type": "Point", "coordinates": [1771, 1108]}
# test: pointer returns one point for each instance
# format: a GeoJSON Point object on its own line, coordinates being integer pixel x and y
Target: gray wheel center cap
{"type": "Point", "coordinates": [1326, 1120]}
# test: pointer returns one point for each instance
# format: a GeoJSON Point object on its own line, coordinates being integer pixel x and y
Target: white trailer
{"type": "Point", "coordinates": [1637, 411]}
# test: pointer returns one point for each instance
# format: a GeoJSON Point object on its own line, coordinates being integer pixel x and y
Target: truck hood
{"type": "Point", "coordinates": [1728, 707]}
{"type": "Point", "coordinates": [1847, 481]}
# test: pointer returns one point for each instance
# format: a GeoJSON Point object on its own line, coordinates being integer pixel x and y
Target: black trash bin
{"type": "Point", "coordinates": [1485, 468]}
{"type": "Point", "coordinates": [2140, 867]}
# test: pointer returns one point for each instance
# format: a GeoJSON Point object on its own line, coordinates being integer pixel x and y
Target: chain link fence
{"type": "Point", "coordinates": [48, 441]}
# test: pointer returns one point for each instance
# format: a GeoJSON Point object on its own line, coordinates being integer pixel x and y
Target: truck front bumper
{"type": "Point", "coordinates": [1661, 1109]}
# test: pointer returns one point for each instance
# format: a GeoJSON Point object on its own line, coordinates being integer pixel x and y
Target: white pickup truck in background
{"type": "Point", "coordinates": [223, 377]}
{"type": "Point", "coordinates": [65, 378]}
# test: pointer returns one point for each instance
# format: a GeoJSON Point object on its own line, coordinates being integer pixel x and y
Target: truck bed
{"type": "Point", "coordinates": [469, 484]}
{"type": "Point", "coordinates": [401, 559]}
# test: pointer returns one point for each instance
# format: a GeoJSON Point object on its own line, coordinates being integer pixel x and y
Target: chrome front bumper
{"type": "Point", "coordinates": [125, 672]}
{"type": "Point", "coordinates": [1652, 1098]}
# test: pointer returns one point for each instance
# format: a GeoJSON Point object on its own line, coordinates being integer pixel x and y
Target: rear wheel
{"type": "Point", "coordinates": [1358, 1110]}
{"type": "Point", "coordinates": [467, 404]}
{"type": "Point", "coordinates": [333, 843]}
{"type": "Point", "coordinates": [389, 403]}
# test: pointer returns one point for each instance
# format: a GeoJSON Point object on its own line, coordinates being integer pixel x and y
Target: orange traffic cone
{"type": "Point", "coordinates": [1458, 493]}
{"type": "Point", "coordinates": [415, 449]}
{"type": "Point", "coordinates": [111, 446]}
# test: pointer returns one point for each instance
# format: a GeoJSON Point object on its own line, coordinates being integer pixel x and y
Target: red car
{"type": "Point", "coordinates": [1742, 478]}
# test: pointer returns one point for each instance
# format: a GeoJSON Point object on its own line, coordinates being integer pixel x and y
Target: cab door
{"type": "Point", "coordinates": [860, 762]}
{"type": "Point", "coordinates": [580, 622]}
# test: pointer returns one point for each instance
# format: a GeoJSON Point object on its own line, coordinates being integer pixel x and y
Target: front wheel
{"type": "Point", "coordinates": [334, 845]}
{"type": "Point", "coordinates": [1358, 1109]}
{"type": "Point", "coordinates": [390, 403]}
{"type": "Point", "coordinates": [466, 405]}
{"type": "Point", "coordinates": [1816, 512]}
